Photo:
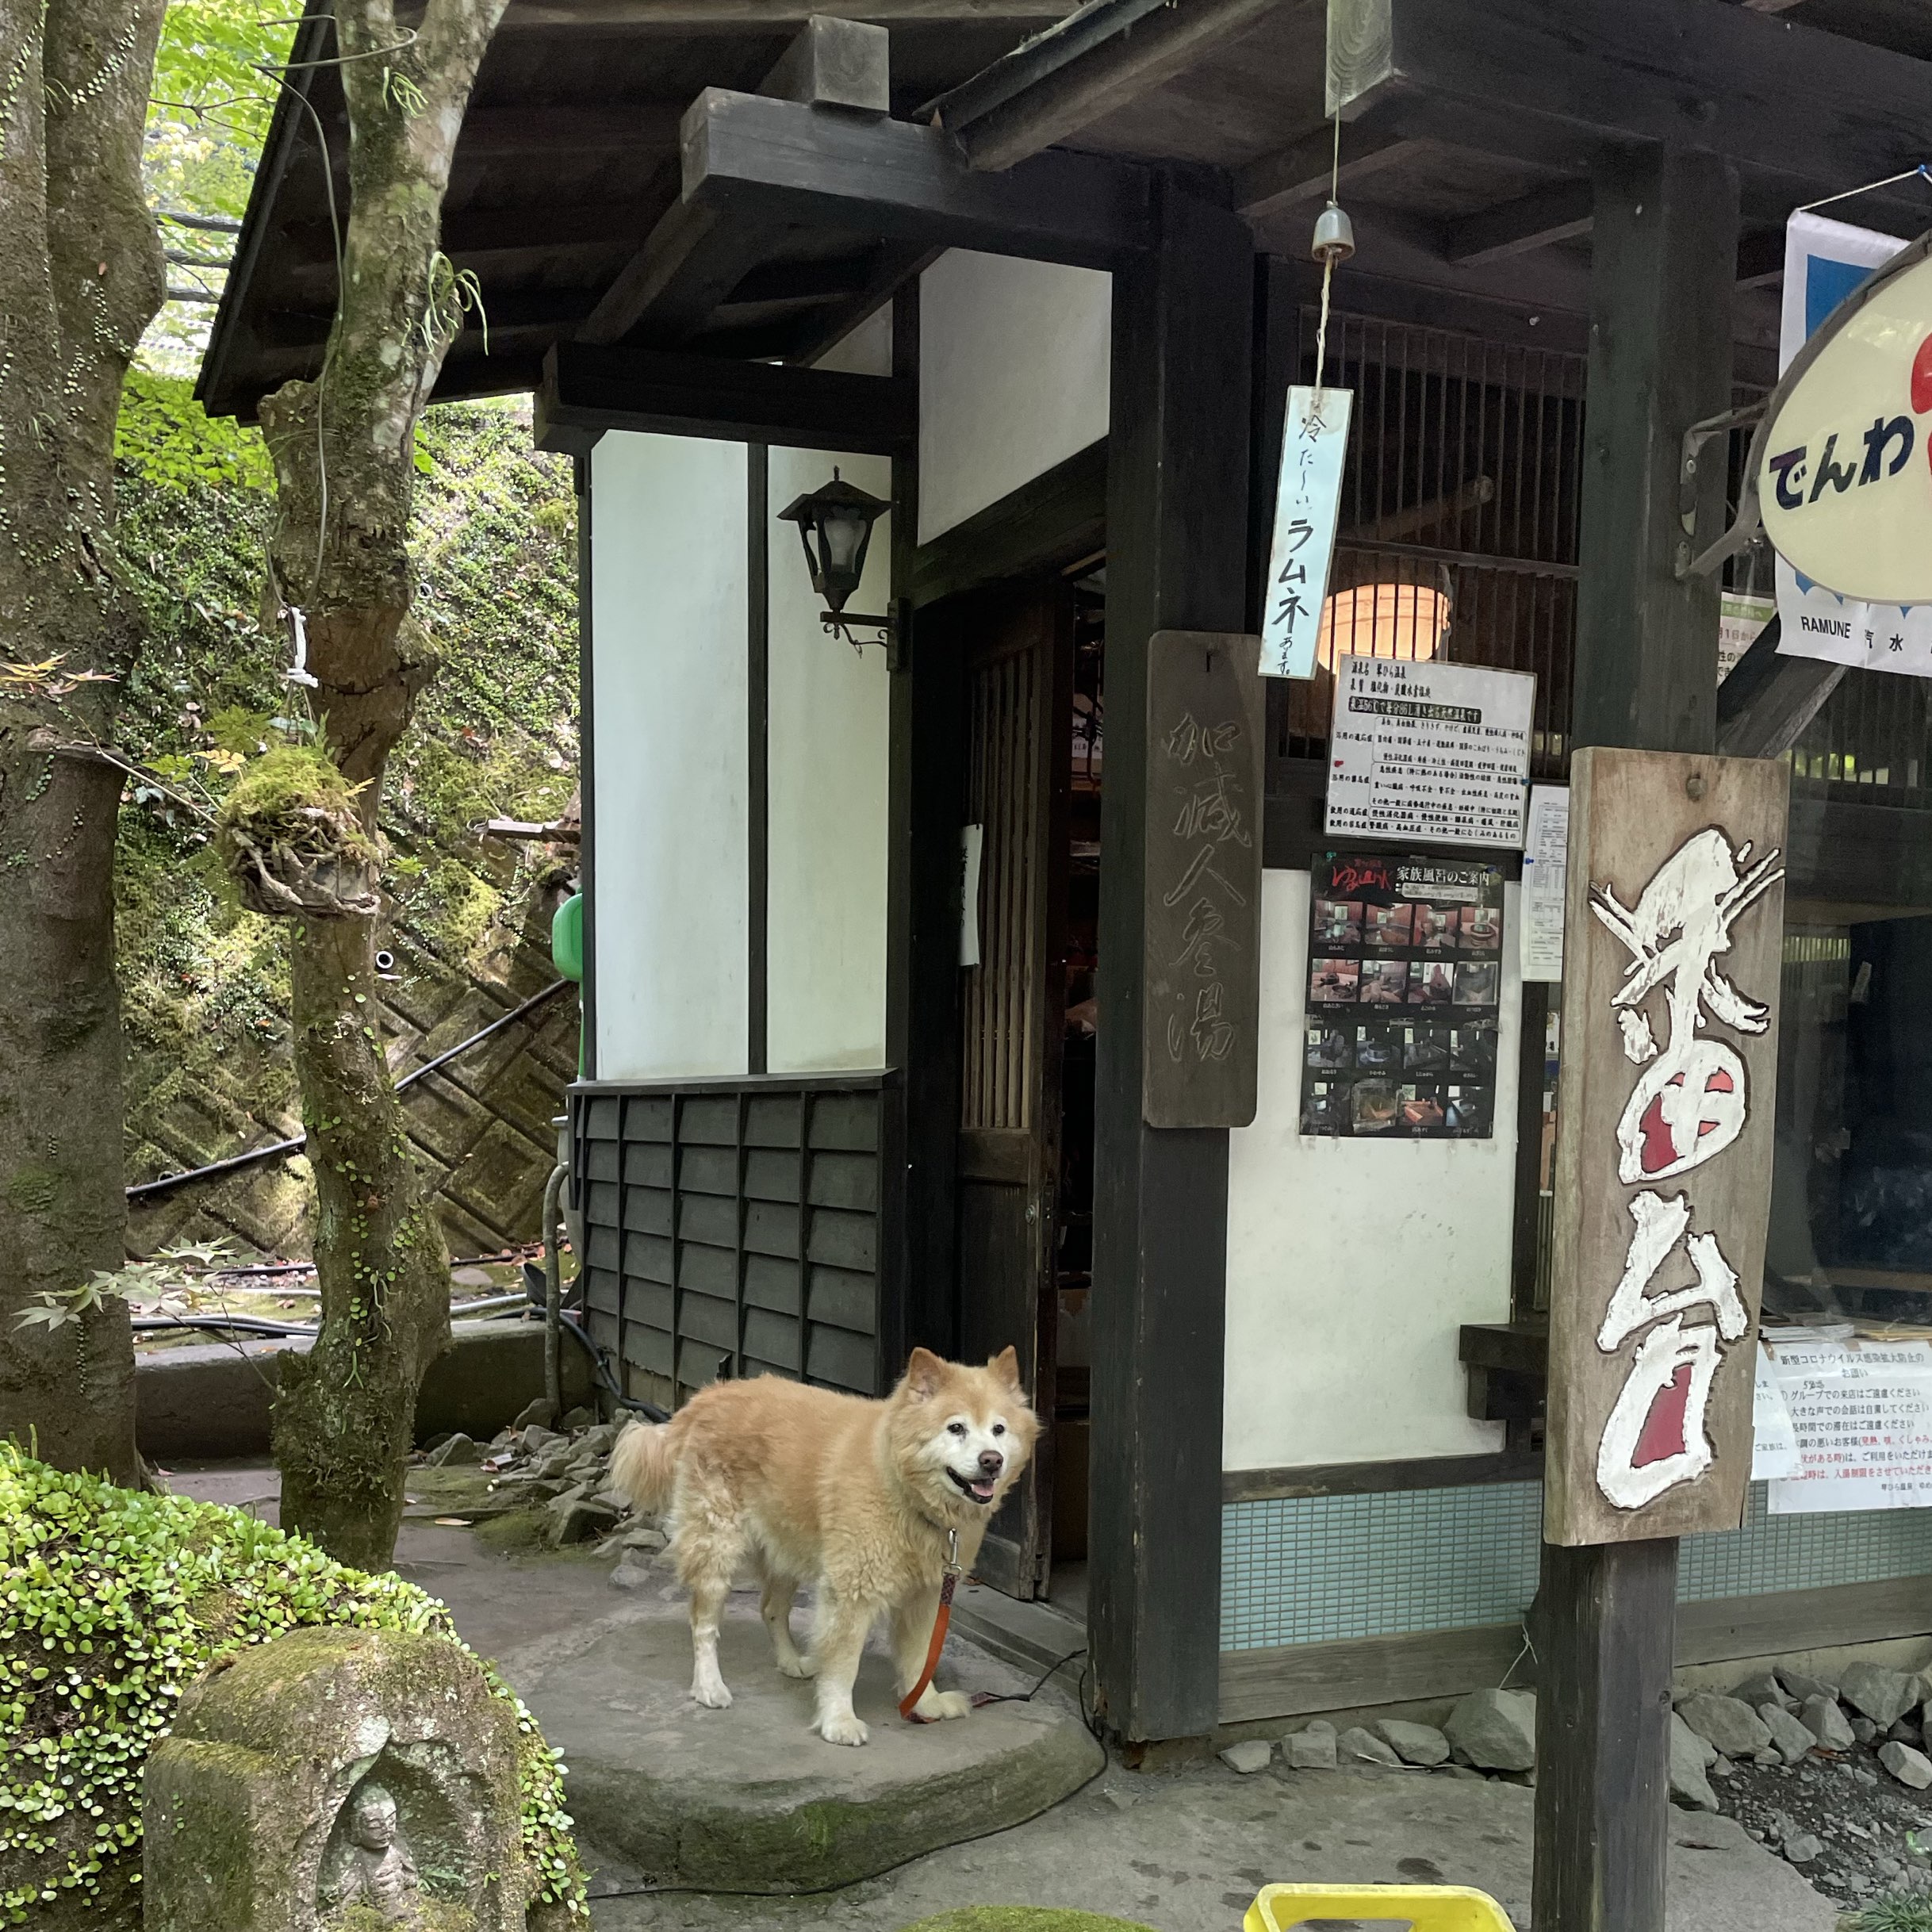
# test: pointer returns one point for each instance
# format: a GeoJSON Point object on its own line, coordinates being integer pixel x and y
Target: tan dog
{"type": "Point", "coordinates": [860, 1499]}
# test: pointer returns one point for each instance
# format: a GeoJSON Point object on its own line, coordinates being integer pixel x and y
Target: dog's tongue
{"type": "Point", "coordinates": [983, 1491]}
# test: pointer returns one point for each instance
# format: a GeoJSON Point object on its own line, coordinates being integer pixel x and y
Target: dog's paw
{"type": "Point", "coordinates": [937, 1705]}
{"type": "Point", "coordinates": [842, 1728]}
{"type": "Point", "coordinates": [797, 1667]}
{"type": "Point", "coordinates": [713, 1694]}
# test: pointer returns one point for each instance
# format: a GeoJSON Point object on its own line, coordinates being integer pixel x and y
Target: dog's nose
{"type": "Point", "coordinates": [992, 1461]}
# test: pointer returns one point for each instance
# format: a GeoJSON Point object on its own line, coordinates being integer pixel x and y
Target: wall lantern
{"type": "Point", "coordinates": [835, 525]}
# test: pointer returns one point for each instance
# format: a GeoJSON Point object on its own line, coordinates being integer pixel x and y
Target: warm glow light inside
{"type": "Point", "coordinates": [1382, 620]}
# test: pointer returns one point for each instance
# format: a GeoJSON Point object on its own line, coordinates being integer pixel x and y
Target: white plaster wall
{"type": "Point", "coordinates": [825, 904]}
{"type": "Point", "coordinates": [1352, 1264]}
{"type": "Point", "coordinates": [1013, 376]}
{"type": "Point", "coordinates": [866, 351]}
{"type": "Point", "coordinates": [668, 643]}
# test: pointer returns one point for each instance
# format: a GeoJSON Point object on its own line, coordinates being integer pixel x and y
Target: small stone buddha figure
{"type": "Point", "coordinates": [377, 1872]}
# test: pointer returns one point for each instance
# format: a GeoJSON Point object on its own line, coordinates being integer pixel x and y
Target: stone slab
{"type": "Point", "coordinates": [749, 1800]}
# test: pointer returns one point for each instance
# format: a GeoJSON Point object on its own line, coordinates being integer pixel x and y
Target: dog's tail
{"type": "Point", "coordinates": [644, 1465]}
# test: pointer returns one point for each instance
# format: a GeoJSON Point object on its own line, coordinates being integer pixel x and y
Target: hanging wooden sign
{"type": "Point", "coordinates": [1673, 939]}
{"type": "Point", "coordinates": [1202, 1004]}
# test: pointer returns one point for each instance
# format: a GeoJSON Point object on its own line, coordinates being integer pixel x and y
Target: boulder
{"type": "Point", "coordinates": [329, 1770]}
{"type": "Point", "coordinates": [1883, 1696]}
{"type": "Point", "coordinates": [459, 1448]}
{"type": "Point", "coordinates": [1495, 1729]}
{"type": "Point", "coordinates": [1251, 1755]}
{"type": "Point", "coordinates": [1688, 1781]}
{"type": "Point", "coordinates": [1360, 1747]}
{"type": "Point", "coordinates": [1803, 1685]}
{"type": "Point", "coordinates": [1908, 1766]}
{"type": "Point", "coordinates": [1311, 1748]}
{"type": "Point", "coordinates": [632, 1573]}
{"type": "Point", "coordinates": [1733, 1727]}
{"type": "Point", "coordinates": [1864, 1730]}
{"type": "Point", "coordinates": [1760, 1689]}
{"type": "Point", "coordinates": [1803, 1848]}
{"type": "Point", "coordinates": [1821, 1717]}
{"type": "Point", "coordinates": [1415, 1744]}
{"type": "Point", "coordinates": [1790, 1738]}
{"type": "Point", "coordinates": [536, 1414]}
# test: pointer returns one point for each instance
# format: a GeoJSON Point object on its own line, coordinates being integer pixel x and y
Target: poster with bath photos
{"type": "Point", "coordinates": [1404, 982]}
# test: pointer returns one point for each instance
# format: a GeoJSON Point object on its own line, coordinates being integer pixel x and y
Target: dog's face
{"type": "Point", "coordinates": [962, 1435]}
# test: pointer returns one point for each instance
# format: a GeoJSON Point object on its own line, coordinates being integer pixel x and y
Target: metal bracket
{"type": "Point", "coordinates": [1690, 562]}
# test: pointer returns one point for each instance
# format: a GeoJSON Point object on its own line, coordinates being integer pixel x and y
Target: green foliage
{"type": "Point", "coordinates": [296, 796]}
{"type": "Point", "coordinates": [173, 1271]}
{"type": "Point", "coordinates": [1901, 1911]}
{"type": "Point", "coordinates": [167, 439]}
{"type": "Point", "coordinates": [112, 1603]}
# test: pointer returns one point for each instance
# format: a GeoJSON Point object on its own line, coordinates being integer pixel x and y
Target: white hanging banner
{"type": "Point", "coordinates": [1307, 498]}
{"type": "Point", "coordinates": [1546, 881]}
{"type": "Point", "coordinates": [1803, 485]}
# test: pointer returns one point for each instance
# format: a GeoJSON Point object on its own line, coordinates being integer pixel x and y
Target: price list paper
{"type": "Point", "coordinates": [1429, 751]}
{"type": "Point", "coordinates": [1861, 1411]}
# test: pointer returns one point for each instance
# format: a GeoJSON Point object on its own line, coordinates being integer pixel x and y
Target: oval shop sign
{"type": "Point", "coordinates": [1845, 480]}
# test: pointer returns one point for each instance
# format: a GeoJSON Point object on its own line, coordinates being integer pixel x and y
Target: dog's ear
{"type": "Point", "coordinates": [1005, 1365]}
{"type": "Point", "coordinates": [923, 1370]}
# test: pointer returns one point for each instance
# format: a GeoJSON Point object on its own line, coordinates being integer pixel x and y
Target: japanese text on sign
{"type": "Point", "coordinates": [1429, 751]}
{"type": "Point", "coordinates": [1314, 442]}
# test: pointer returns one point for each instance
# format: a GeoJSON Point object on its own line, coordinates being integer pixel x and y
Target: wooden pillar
{"type": "Point", "coordinates": [1664, 249]}
{"type": "Point", "coordinates": [1177, 530]}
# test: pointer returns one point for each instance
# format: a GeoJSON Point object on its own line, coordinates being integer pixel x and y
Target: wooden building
{"type": "Point", "coordinates": [1043, 283]}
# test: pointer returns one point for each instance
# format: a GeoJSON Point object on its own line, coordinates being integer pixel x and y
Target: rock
{"type": "Point", "coordinates": [613, 1500]}
{"type": "Point", "coordinates": [572, 1517]}
{"type": "Point", "coordinates": [1688, 1782]}
{"type": "Point", "coordinates": [1415, 1744]}
{"type": "Point", "coordinates": [1821, 1716]}
{"type": "Point", "coordinates": [1735, 1728]}
{"type": "Point", "coordinates": [1720, 1766]}
{"type": "Point", "coordinates": [1908, 1766]}
{"type": "Point", "coordinates": [1790, 1737]}
{"type": "Point", "coordinates": [1767, 1758]}
{"type": "Point", "coordinates": [642, 1536]}
{"type": "Point", "coordinates": [631, 1574]}
{"type": "Point", "coordinates": [539, 1412]}
{"type": "Point", "coordinates": [459, 1448]}
{"type": "Point", "coordinates": [1863, 1777]}
{"type": "Point", "coordinates": [576, 1419]}
{"type": "Point", "coordinates": [1864, 1730]}
{"type": "Point", "coordinates": [1883, 1696]}
{"type": "Point", "coordinates": [1310, 1749]}
{"type": "Point", "coordinates": [1907, 1731]}
{"type": "Point", "coordinates": [1496, 1728]}
{"type": "Point", "coordinates": [1708, 1834]}
{"type": "Point", "coordinates": [552, 1462]}
{"type": "Point", "coordinates": [1462, 1771]}
{"type": "Point", "coordinates": [1760, 1689]}
{"type": "Point", "coordinates": [600, 1440]}
{"type": "Point", "coordinates": [276, 1757]}
{"type": "Point", "coordinates": [1359, 1746]}
{"type": "Point", "coordinates": [1803, 1685]}
{"type": "Point", "coordinates": [535, 1438]}
{"type": "Point", "coordinates": [1803, 1849]}
{"type": "Point", "coordinates": [1251, 1755]}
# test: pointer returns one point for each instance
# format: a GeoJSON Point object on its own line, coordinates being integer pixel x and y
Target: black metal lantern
{"type": "Point", "coordinates": [835, 525]}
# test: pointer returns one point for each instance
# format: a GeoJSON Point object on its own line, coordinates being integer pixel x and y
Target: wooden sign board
{"type": "Point", "coordinates": [1674, 936]}
{"type": "Point", "coordinates": [1202, 1007]}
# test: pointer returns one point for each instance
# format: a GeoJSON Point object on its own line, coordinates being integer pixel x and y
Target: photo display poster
{"type": "Point", "coordinates": [1404, 981]}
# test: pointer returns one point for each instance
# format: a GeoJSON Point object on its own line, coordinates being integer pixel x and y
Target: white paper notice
{"type": "Point", "coordinates": [1862, 1414]}
{"type": "Point", "coordinates": [1774, 1447]}
{"type": "Point", "coordinates": [1314, 442]}
{"type": "Point", "coordinates": [1546, 873]}
{"type": "Point", "coordinates": [1429, 751]}
{"type": "Point", "coordinates": [972, 844]}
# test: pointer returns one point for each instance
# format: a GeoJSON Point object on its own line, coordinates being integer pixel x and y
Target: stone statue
{"type": "Point", "coordinates": [377, 1872]}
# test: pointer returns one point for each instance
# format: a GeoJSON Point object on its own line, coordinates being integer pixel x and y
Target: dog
{"type": "Point", "coordinates": [867, 1501]}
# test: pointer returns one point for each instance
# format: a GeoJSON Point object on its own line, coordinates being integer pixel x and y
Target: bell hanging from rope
{"type": "Point", "coordinates": [1335, 235]}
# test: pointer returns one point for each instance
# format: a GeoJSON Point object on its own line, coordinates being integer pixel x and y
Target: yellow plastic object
{"type": "Point", "coordinates": [1429, 1908]}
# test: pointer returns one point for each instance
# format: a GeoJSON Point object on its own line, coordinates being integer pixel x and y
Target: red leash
{"type": "Point", "coordinates": [945, 1617]}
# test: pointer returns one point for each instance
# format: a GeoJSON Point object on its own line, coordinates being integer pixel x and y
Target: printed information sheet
{"type": "Point", "coordinates": [1861, 1413]}
{"type": "Point", "coordinates": [1429, 751]}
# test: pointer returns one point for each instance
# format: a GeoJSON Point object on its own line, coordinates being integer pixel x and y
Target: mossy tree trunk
{"type": "Point", "coordinates": [344, 451]}
{"type": "Point", "coordinates": [81, 277]}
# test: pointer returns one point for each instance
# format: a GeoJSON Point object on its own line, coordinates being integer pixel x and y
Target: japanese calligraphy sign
{"type": "Point", "coordinates": [1314, 442]}
{"type": "Point", "coordinates": [1202, 1003]}
{"type": "Point", "coordinates": [1674, 932]}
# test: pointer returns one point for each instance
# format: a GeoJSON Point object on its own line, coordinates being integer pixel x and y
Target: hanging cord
{"type": "Point", "coordinates": [1327, 265]}
{"type": "Point", "coordinates": [1922, 172]}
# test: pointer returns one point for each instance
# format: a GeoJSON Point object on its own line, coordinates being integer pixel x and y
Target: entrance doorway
{"type": "Point", "coordinates": [1031, 666]}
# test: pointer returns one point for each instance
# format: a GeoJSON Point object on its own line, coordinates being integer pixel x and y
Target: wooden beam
{"type": "Point", "coordinates": [705, 16]}
{"type": "Point", "coordinates": [1767, 701]}
{"type": "Point", "coordinates": [1301, 170]}
{"type": "Point", "coordinates": [1177, 530]}
{"type": "Point", "coordinates": [693, 259]}
{"type": "Point", "coordinates": [1761, 259]}
{"type": "Point", "coordinates": [1556, 213]}
{"type": "Point", "coordinates": [1523, 78]}
{"type": "Point", "coordinates": [1057, 97]}
{"type": "Point", "coordinates": [835, 63]}
{"type": "Point", "coordinates": [788, 164]}
{"type": "Point", "coordinates": [567, 127]}
{"type": "Point", "coordinates": [587, 389]}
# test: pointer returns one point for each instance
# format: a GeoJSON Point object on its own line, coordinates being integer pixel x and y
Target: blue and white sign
{"type": "Point", "coordinates": [1825, 261]}
{"type": "Point", "coordinates": [1307, 498]}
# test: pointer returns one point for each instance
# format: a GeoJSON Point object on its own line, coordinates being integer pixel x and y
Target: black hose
{"type": "Point", "coordinates": [142, 1189]}
{"type": "Point", "coordinates": [649, 1410]}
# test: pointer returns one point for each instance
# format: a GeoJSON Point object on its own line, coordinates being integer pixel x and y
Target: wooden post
{"type": "Point", "coordinates": [1177, 530]}
{"type": "Point", "coordinates": [1664, 251]}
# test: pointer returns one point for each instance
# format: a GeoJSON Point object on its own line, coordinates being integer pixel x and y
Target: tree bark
{"type": "Point", "coordinates": [81, 276]}
{"type": "Point", "coordinates": [344, 450]}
